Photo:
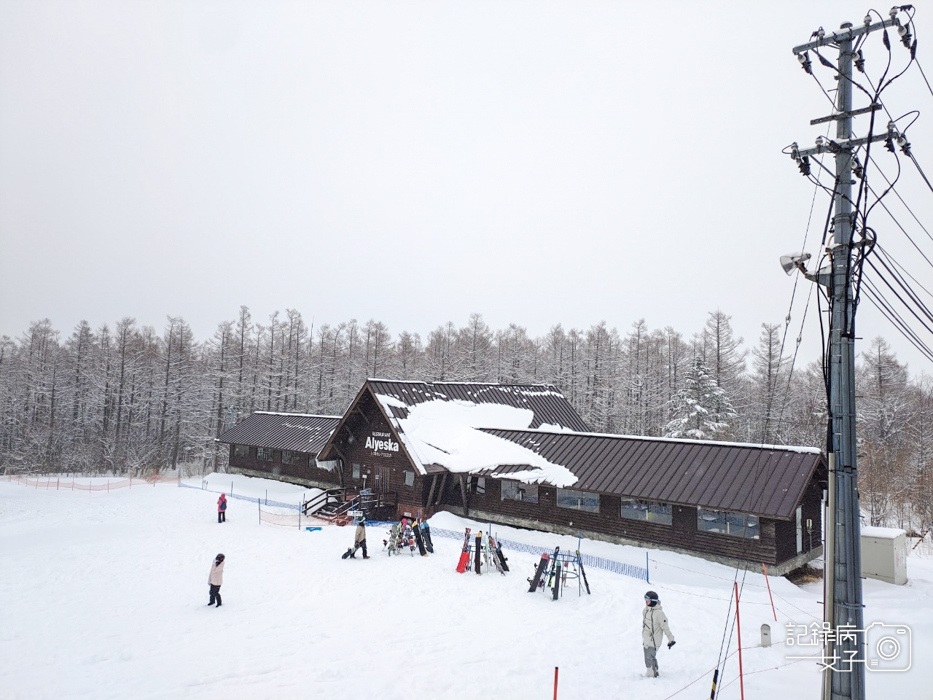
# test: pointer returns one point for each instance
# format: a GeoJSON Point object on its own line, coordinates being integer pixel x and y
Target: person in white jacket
{"type": "Point", "coordinates": [216, 579]}
{"type": "Point", "coordinates": [653, 628]}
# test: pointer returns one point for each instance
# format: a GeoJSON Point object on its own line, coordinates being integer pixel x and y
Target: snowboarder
{"type": "Point", "coordinates": [222, 508]}
{"type": "Point", "coordinates": [216, 579]}
{"type": "Point", "coordinates": [653, 628]}
{"type": "Point", "coordinates": [359, 541]}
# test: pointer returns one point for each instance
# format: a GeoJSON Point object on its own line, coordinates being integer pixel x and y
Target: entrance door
{"type": "Point", "coordinates": [380, 480]}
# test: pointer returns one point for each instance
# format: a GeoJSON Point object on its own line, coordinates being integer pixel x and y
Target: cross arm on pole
{"type": "Point", "coordinates": [846, 34]}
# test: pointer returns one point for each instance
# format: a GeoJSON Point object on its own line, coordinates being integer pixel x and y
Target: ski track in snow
{"type": "Point", "coordinates": [105, 596]}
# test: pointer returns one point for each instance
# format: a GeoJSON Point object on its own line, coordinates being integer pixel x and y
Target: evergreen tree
{"type": "Point", "coordinates": [701, 410]}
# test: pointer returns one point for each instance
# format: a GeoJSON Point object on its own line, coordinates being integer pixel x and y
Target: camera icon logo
{"type": "Point", "coordinates": [887, 647]}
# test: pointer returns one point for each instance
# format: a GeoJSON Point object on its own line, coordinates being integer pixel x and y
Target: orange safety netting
{"type": "Point", "coordinates": [72, 483]}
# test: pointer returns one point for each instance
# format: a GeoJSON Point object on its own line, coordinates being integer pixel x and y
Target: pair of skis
{"type": "Point", "coordinates": [477, 548]}
{"type": "Point", "coordinates": [498, 557]}
{"type": "Point", "coordinates": [464, 554]}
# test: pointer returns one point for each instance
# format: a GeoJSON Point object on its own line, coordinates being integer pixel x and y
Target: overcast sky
{"type": "Point", "coordinates": [415, 162]}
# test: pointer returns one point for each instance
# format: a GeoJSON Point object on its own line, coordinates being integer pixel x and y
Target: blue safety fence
{"type": "Point", "coordinates": [616, 567]}
{"type": "Point", "coordinates": [252, 499]}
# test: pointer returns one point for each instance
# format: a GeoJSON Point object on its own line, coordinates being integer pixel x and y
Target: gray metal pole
{"type": "Point", "coordinates": [848, 682]}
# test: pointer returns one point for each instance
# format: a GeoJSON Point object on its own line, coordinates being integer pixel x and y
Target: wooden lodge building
{"type": "Point", "coordinates": [520, 455]}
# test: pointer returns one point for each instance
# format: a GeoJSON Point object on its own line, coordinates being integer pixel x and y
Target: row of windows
{"type": "Point", "coordinates": [265, 454]}
{"type": "Point", "coordinates": [721, 522]}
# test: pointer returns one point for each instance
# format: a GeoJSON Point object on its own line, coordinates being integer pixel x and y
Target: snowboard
{"type": "Point", "coordinates": [416, 530]}
{"type": "Point", "coordinates": [557, 581]}
{"type": "Point", "coordinates": [536, 581]}
{"type": "Point", "coordinates": [465, 554]}
{"type": "Point", "coordinates": [550, 576]}
{"type": "Point", "coordinates": [426, 535]}
{"type": "Point", "coordinates": [349, 553]}
{"type": "Point", "coordinates": [392, 544]}
{"type": "Point", "coordinates": [478, 553]}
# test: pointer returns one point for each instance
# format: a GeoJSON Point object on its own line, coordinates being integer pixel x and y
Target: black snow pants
{"type": "Point", "coordinates": [215, 594]}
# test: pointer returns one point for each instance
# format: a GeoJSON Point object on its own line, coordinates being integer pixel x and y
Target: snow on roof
{"type": "Point", "coordinates": [887, 533]}
{"type": "Point", "coordinates": [294, 415]}
{"type": "Point", "coordinates": [446, 433]}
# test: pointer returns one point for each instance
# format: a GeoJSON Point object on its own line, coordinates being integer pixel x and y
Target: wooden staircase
{"type": "Point", "coordinates": [336, 505]}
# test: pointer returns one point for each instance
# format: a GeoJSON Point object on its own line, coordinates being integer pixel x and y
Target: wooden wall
{"type": "Point", "coordinates": [305, 472]}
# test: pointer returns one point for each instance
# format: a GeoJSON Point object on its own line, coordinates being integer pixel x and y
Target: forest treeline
{"type": "Point", "coordinates": [130, 399]}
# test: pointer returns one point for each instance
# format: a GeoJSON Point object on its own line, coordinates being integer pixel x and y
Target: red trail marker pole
{"type": "Point", "coordinates": [555, 683]}
{"type": "Point", "coordinates": [765, 567]}
{"type": "Point", "coordinates": [738, 627]}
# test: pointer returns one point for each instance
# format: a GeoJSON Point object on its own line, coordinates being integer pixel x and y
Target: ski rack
{"type": "Point", "coordinates": [487, 556]}
{"type": "Point", "coordinates": [561, 567]}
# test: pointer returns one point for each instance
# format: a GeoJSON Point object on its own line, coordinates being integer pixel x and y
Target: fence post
{"type": "Point", "coordinates": [738, 628]}
{"type": "Point", "coordinates": [299, 516]}
{"type": "Point", "coordinates": [108, 485]}
{"type": "Point", "coordinates": [647, 570]}
{"type": "Point", "coordinates": [763, 566]}
{"type": "Point", "coordinates": [56, 482]}
{"type": "Point", "coordinates": [258, 505]}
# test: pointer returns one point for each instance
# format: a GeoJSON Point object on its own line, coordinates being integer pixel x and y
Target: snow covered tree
{"type": "Point", "coordinates": [885, 410]}
{"type": "Point", "coordinates": [769, 389]}
{"type": "Point", "coordinates": [701, 410]}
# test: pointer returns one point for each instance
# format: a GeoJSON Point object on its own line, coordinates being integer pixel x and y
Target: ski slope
{"type": "Point", "coordinates": [104, 595]}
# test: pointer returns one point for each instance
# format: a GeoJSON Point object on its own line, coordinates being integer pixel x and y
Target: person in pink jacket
{"type": "Point", "coordinates": [222, 508]}
{"type": "Point", "coordinates": [216, 578]}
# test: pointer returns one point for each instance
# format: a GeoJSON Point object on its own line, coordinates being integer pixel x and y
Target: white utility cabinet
{"type": "Point", "coordinates": [884, 554]}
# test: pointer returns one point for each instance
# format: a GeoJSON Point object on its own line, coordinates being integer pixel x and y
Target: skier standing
{"type": "Point", "coordinates": [216, 579]}
{"type": "Point", "coordinates": [222, 508]}
{"type": "Point", "coordinates": [653, 628]}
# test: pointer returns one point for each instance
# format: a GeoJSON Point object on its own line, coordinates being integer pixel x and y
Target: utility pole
{"type": "Point", "coordinates": [844, 654]}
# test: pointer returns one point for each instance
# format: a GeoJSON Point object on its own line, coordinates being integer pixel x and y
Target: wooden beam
{"type": "Point", "coordinates": [343, 460]}
{"type": "Point", "coordinates": [431, 491]}
{"type": "Point", "coordinates": [440, 491]}
{"type": "Point", "coordinates": [463, 495]}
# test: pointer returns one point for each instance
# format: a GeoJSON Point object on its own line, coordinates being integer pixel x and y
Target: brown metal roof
{"type": "Point", "coordinates": [297, 432]}
{"type": "Point", "coordinates": [549, 406]}
{"type": "Point", "coordinates": [764, 480]}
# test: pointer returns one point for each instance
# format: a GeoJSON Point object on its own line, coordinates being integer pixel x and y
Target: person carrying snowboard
{"type": "Point", "coordinates": [222, 508]}
{"type": "Point", "coordinates": [359, 541]}
{"type": "Point", "coordinates": [653, 628]}
{"type": "Point", "coordinates": [216, 578]}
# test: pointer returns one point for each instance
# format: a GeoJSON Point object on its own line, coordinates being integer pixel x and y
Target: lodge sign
{"type": "Point", "coordinates": [381, 442]}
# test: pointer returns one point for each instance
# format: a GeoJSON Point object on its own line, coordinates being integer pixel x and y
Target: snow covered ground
{"type": "Point", "coordinates": [104, 595]}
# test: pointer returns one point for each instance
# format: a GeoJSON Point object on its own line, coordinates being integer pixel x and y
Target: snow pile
{"type": "Point", "coordinates": [446, 433]}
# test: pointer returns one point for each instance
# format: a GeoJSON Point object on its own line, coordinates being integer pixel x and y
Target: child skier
{"type": "Point", "coordinates": [653, 628]}
{"type": "Point", "coordinates": [222, 508]}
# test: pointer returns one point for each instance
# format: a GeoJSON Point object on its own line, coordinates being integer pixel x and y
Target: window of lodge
{"type": "Point", "coordinates": [650, 511]}
{"type": "Point", "coordinates": [517, 491]}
